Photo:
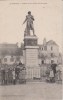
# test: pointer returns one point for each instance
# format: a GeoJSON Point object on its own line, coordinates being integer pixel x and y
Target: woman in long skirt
{"type": "Point", "coordinates": [51, 75]}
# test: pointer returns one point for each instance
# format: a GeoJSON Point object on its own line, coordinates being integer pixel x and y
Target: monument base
{"type": "Point", "coordinates": [31, 57]}
{"type": "Point", "coordinates": [33, 72]}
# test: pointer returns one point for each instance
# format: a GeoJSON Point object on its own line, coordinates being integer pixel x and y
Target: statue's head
{"type": "Point", "coordinates": [29, 12]}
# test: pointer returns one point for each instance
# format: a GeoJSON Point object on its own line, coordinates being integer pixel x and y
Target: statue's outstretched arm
{"type": "Point", "coordinates": [25, 20]}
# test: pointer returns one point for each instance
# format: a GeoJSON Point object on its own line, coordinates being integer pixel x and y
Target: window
{"type": "Point", "coordinates": [18, 58]}
{"type": "Point", "coordinates": [45, 47]}
{"type": "Point", "coordinates": [42, 48]}
{"type": "Point", "coordinates": [51, 48]}
{"type": "Point", "coordinates": [0, 60]}
{"type": "Point", "coordinates": [42, 61]}
{"type": "Point", "coordinates": [57, 61]}
{"type": "Point", "coordinates": [11, 59]}
{"type": "Point", "coordinates": [5, 59]}
{"type": "Point", "coordinates": [52, 61]}
{"type": "Point", "coordinates": [51, 54]}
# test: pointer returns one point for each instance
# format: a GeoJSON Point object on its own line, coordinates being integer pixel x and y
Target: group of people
{"type": "Point", "coordinates": [17, 74]}
{"type": "Point", "coordinates": [12, 75]}
{"type": "Point", "coordinates": [53, 75]}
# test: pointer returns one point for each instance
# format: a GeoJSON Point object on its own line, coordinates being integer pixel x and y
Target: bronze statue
{"type": "Point", "coordinates": [29, 25]}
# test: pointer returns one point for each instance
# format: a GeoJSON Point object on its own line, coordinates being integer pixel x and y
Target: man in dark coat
{"type": "Point", "coordinates": [53, 66]}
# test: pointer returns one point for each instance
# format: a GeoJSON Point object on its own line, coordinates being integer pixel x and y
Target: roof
{"type": "Point", "coordinates": [51, 42]}
{"type": "Point", "coordinates": [10, 49]}
{"type": "Point", "coordinates": [6, 45]}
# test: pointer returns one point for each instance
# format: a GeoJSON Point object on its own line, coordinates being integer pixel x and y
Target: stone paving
{"type": "Point", "coordinates": [31, 91]}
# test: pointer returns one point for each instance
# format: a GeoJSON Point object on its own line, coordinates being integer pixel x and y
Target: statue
{"type": "Point", "coordinates": [29, 25]}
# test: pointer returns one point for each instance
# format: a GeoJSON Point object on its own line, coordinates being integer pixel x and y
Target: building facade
{"type": "Point", "coordinates": [10, 54]}
{"type": "Point", "coordinates": [49, 52]}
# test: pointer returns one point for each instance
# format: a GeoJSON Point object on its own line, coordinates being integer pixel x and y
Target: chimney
{"type": "Point", "coordinates": [44, 41]}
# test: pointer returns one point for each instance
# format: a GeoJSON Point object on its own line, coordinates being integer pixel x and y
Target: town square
{"type": "Point", "coordinates": [32, 70]}
{"type": "Point", "coordinates": [31, 91]}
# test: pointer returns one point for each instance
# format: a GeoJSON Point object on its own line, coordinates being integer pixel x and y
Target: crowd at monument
{"type": "Point", "coordinates": [53, 74]}
{"type": "Point", "coordinates": [12, 75]}
{"type": "Point", "coordinates": [17, 74]}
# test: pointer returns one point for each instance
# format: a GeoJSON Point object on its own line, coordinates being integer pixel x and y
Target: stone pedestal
{"type": "Point", "coordinates": [31, 57]}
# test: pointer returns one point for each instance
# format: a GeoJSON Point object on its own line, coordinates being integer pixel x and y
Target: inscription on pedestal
{"type": "Point", "coordinates": [30, 41]}
{"type": "Point", "coordinates": [31, 57]}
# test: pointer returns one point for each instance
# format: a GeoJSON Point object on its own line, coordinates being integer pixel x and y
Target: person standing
{"type": "Point", "coordinates": [2, 75]}
{"type": "Point", "coordinates": [6, 76]}
{"type": "Point", "coordinates": [53, 66]}
{"type": "Point", "coordinates": [14, 76]}
{"type": "Point", "coordinates": [51, 75]}
{"type": "Point", "coordinates": [10, 76]}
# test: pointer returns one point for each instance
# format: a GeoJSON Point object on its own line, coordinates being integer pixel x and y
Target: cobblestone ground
{"type": "Point", "coordinates": [31, 91]}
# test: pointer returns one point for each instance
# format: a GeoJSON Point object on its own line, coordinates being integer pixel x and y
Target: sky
{"type": "Point", "coordinates": [48, 20]}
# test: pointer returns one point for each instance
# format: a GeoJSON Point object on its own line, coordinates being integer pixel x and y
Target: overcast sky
{"type": "Point", "coordinates": [48, 20]}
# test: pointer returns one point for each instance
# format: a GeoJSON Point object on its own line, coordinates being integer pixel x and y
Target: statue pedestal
{"type": "Point", "coordinates": [31, 57]}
